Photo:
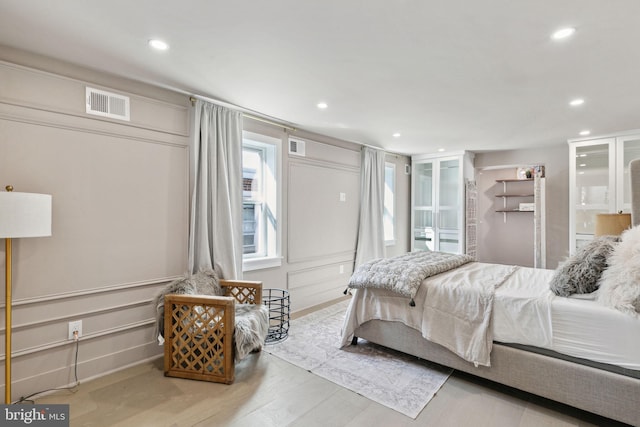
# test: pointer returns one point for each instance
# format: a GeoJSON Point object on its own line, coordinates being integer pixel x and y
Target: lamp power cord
{"type": "Point", "coordinates": [73, 388]}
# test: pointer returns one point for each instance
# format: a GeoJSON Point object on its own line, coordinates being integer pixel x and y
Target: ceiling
{"type": "Point", "coordinates": [445, 74]}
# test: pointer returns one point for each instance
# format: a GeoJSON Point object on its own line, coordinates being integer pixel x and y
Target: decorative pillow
{"type": "Point", "coordinates": [620, 282]}
{"type": "Point", "coordinates": [580, 273]}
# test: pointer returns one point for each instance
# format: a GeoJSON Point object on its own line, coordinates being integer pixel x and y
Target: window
{"type": "Point", "coordinates": [389, 218]}
{"type": "Point", "coordinates": [260, 198]}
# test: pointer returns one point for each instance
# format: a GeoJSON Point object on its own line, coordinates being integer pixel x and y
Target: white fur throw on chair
{"type": "Point", "coordinates": [251, 320]}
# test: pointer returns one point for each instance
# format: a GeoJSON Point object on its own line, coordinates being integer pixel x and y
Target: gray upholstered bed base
{"type": "Point", "coordinates": [601, 392]}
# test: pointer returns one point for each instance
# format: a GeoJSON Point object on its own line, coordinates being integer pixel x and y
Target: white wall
{"type": "Point", "coordinates": [494, 237]}
{"type": "Point", "coordinates": [120, 217]}
{"type": "Point", "coordinates": [320, 231]}
{"type": "Point", "coordinates": [504, 238]}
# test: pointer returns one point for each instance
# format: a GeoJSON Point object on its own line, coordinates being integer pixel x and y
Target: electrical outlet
{"type": "Point", "coordinates": [75, 327]}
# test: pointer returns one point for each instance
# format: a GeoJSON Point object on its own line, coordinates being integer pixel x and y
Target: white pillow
{"type": "Point", "coordinates": [620, 282]}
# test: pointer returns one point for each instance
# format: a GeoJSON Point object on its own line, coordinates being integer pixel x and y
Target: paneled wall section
{"type": "Point", "coordinates": [120, 223]}
{"type": "Point", "coordinates": [121, 212]}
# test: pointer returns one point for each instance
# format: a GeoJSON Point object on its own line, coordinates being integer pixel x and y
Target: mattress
{"type": "Point", "coordinates": [525, 312]}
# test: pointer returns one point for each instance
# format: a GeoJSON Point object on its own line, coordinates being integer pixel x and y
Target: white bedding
{"type": "Point", "coordinates": [457, 310]}
{"type": "Point", "coordinates": [526, 312]}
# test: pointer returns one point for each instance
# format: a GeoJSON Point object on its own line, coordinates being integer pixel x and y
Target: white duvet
{"type": "Point", "coordinates": [525, 312]}
{"type": "Point", "coordinates": [457, 310]}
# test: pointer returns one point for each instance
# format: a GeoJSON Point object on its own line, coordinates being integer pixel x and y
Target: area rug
{"type": "Point", "coordinates": [401, 382]}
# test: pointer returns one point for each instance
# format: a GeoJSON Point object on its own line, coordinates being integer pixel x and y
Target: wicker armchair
{"type": "Point", "coordinates": [199, 332]}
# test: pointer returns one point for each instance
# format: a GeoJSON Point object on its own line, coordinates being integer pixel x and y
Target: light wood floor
{"type": "Point", "coordinates": [270, 392]}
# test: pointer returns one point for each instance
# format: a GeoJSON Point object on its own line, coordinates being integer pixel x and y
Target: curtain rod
{"type": "Point", "coordinates": [193, 100]}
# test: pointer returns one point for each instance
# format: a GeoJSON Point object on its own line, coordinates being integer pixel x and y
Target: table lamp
{"type": "Point", "coordinates": [612, 224]}
{"type": "Point", "coordinates": [21, 215]}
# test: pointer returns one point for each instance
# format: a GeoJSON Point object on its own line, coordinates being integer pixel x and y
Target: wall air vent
{"type": "Point", "coordinates": [296, 147]}
{"type": "Point", "coordinates": [107, 104]}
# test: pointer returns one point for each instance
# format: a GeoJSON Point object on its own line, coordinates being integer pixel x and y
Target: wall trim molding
{"type": "Point", "coordinates": [293, 162]}
{"type": "Point", "coordinates": [38, 376]}
{"type": "Point", "coordinates": [56, 344]}
{"type": "Point", "coordinates": [43, 107]}
{"type": "Point", "coordinates": [350, 254]}
{"type": "Point", "coordinates": [291, 275]}
{"type": "Point", "coordinates": [83, 129]}
{"type": "Point", "coordinates": [83, 314]}
{"type": "Point", "coordinates": [301, 165]}
{"type": "Point", "coordinates": [95, 291]}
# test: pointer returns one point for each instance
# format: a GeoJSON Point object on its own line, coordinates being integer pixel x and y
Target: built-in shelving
{"type": "Point", "coordinates": [513, 193]}
{"type": "Point", "coordinates": [528, 193]}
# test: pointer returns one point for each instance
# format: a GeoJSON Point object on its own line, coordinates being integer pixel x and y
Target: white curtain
{"type": "Point", "coordinates": [634, 176]}
{"type": "Point", "coordinates": [371, 226]}
{"type": "Point", "coordinates": [215, 234]}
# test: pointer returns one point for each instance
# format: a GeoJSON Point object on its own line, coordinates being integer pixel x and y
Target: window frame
{"type": "Point", "coordinates": [270, 223]}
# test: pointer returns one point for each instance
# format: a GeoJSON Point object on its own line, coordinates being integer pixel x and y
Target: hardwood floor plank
{"type": "Point", "coordinates": [337, 410]}
{"type": "Point", "coordinates": [271, 392]}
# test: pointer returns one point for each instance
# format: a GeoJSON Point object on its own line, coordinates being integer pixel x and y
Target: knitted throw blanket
{"type": "Point", "coordinates": [403, 274]}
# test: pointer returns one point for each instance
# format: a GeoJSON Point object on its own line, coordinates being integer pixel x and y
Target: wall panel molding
{"type": "Point", "coordinates": [45, 91]}
{"type": "Point", "coordinates": [120, 222]}
{"type": "Point", "coordinates": [320, 274]}
{"type": "Point", "coordinates": [94, 291]}
{"type": "Point", "coordinates": [314, 285]}
{"type": "Point", "coordinates": [93, 362]}
{"type": "Point", "coordinates": [320, 224]}
{"type": "Point", "coordinates": [87, 125]}
{"type": "Point", "coordinates": [85, 337]}
{"type": "Point", "coordinates": [294, 161]}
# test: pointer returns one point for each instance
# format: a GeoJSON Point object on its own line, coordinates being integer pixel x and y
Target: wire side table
{"type": "Point", "coordinates": [279, 305]}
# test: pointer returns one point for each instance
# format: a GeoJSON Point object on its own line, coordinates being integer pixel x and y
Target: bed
{"type": "Point", "coordinates": [572, 349]}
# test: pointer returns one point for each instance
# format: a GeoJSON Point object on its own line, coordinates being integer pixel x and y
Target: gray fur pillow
{"type": "Point", "coordinates": [580, 273]}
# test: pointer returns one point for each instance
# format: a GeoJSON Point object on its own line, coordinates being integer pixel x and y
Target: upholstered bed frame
{"type": "Point", "coordinates": [599, 391]}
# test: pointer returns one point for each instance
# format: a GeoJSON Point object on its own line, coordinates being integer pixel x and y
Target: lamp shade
{"type": "Point", "coordinates": [24, 214]}
{"type": "Point", "coordinates": [612, 224]}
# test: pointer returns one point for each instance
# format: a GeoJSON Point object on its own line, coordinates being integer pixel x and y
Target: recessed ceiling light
{"type": "Point", "coordinates": [576, 102]}
{"type": "Point", "coordinates": [158, 44]}
{"type": "Point", "coordinates": [322, 105]}
{"type": "Point", "coordinates": [440, 150]}
{"type": "Point", "coordinates": [397, 135]}
{"type": "Point", "coordinates": [585, 132]}
{"type": "Point", "coordinates": [563, 33]}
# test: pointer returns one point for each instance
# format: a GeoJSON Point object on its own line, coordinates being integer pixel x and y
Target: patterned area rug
{"type": "Point", "coordinates": [401, 382]}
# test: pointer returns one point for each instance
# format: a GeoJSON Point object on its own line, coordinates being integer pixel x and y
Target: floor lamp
{"type": "Point", "coordinates": [21, 215]}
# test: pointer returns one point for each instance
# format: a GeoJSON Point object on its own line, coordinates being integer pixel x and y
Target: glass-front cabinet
{"type": "Point", "coordinates": [438, 202]}
{"type": "Point", "coordinates": [599, 182]}
{"type": "Point", "coordinates": [423, 203]}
